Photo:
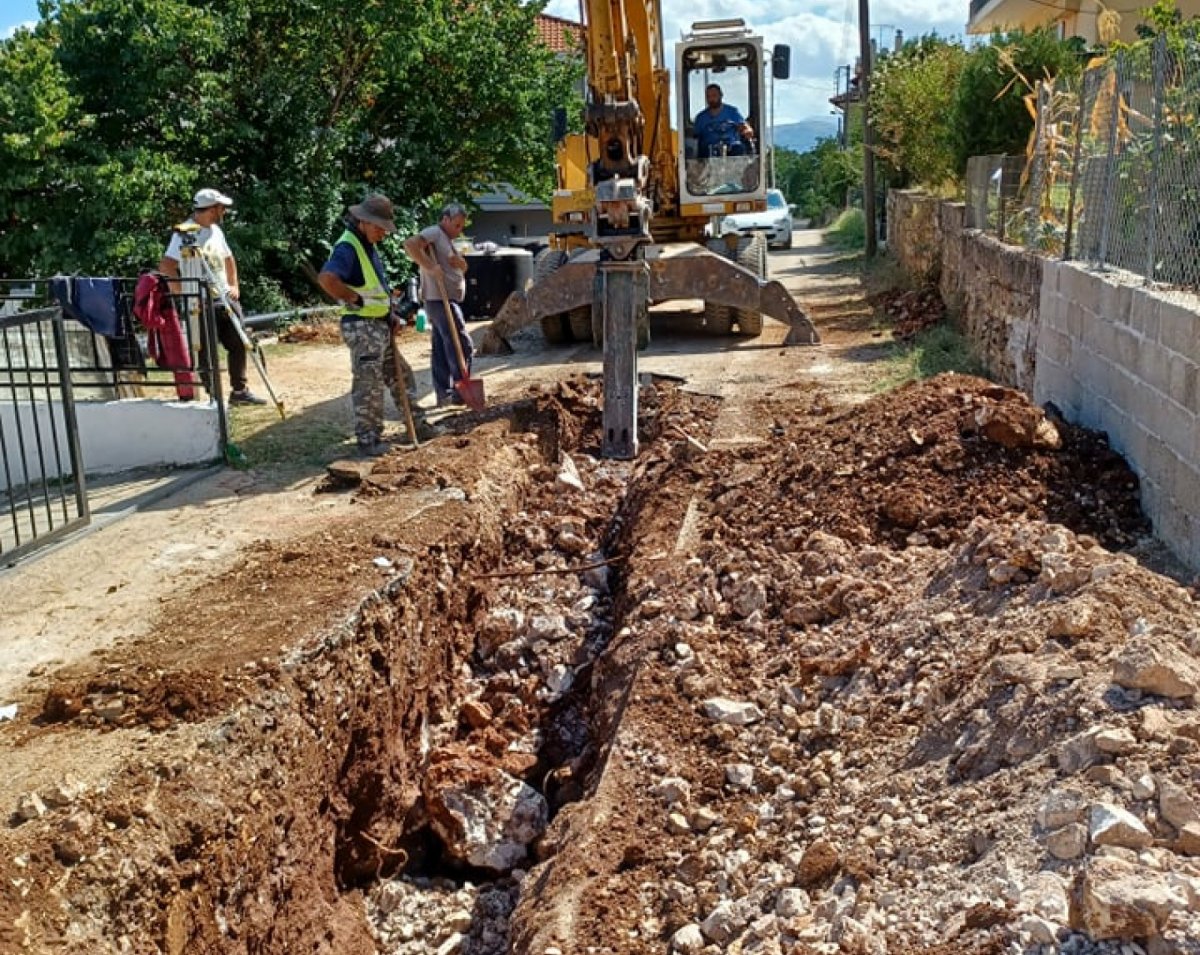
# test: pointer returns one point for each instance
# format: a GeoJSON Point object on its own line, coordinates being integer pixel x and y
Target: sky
{"type": "Point", "coordinates": [823, 34]}
{"type": "Point", "coordinates": [15, 13]}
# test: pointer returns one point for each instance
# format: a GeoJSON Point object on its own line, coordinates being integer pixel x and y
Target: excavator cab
{"type": "Point", "coordinates": [719, 95]}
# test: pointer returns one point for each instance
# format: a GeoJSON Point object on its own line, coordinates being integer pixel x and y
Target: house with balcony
{"type": "Point", "coordinates": [1068, 17]}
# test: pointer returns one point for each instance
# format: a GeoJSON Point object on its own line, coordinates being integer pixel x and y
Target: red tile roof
{"type": "Point", "coordinates": [562, 36]}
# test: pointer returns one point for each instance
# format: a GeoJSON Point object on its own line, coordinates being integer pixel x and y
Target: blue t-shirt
{"type": "Point", "coordinates": [343, 262]}
{"type": "Point", "coordinates": [713, 130]}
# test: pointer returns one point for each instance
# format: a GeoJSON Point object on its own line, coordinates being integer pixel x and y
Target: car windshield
{"type": "Point", "coordinates": [775, 199]}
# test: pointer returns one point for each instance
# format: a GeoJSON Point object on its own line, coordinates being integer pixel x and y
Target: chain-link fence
{"type": "Point", "coordinates": [994, 194]}
{"type": "Point", "coordinates": [1112, 176]}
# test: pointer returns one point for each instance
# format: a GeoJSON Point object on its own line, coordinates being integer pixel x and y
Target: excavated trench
{"type": "Point", "coordinates": [384, 787]}
{"type": "Point", "coordinates": [530, 727]}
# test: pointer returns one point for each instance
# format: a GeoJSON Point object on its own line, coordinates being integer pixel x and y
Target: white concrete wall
{"type": "Point", "coordinates": [114, 436]}
{"type": "Point", "coordinates": [1125, 360]}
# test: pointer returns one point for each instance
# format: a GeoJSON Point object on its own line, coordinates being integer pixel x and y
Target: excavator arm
{"type": "Point", "coordinates": [624, 203]}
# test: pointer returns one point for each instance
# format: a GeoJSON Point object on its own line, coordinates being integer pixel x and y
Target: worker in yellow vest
{"type": "Point", "coordinates": [355, 277]}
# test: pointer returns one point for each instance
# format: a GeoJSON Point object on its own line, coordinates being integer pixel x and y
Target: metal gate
{"type": "Point", "coordinates": [42, 490]}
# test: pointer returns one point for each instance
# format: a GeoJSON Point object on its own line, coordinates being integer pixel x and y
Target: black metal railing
{"type": "Point", "coordinates": [44, 494]}
{"type": "Point", "coordinates": [74, 340]}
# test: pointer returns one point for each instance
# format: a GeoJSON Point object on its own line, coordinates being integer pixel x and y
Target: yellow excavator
{"type": "Point", "coordinates": [636, 201]}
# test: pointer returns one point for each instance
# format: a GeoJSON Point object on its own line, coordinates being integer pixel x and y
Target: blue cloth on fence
{"type": "Point", "coordinates": [98, 304]}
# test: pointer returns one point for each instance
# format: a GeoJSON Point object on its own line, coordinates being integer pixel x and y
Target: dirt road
{"type": "Point", "coordinates": [868, 674]}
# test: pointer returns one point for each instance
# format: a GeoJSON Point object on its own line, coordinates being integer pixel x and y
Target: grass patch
{"type": "Point", "coordinates": [304, 441]}
{"type": "Point", "coordinates": [849, 230]}
{"type": "Point", "coordinates": [931, 352]}
{"type": "Point", "coordinates": [308, 438]}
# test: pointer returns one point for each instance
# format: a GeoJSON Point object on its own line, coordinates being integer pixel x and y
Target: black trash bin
{"type": "Point", "coordinates": [491, 278]}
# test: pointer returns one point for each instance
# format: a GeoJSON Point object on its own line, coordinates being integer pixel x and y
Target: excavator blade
{"type": "Point", "coordinates": [678, 271]}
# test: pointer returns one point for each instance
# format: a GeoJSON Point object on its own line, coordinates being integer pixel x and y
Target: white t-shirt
{"type": "Point", "coordinates": [210, 241]}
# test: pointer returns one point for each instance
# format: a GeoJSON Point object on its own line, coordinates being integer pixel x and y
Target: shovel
{"type": "Point", "coordinates": [469, 389]}
{"type": "Point", "coordinates": [402, 385]}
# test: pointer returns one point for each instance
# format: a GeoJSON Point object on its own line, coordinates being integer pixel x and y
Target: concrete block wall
{"type": "Point", "coordinates": [1125, 360]}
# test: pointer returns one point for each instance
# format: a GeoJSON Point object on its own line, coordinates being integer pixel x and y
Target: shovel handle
{"type": "Point", "coordinates": [450, 322]}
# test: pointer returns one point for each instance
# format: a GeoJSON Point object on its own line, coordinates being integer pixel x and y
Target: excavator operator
{"type": "Point", "coordinates": [720, 129]}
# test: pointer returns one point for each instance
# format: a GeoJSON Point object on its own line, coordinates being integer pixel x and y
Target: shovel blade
{"type": "Point", "coordinates": [471, 391]}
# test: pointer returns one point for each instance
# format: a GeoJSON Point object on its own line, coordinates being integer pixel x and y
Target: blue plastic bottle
{"type": "Point", "coordinates": [421, 320]}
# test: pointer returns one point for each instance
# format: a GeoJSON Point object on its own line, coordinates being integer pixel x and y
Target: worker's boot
{"type": "Point", "coordinates": [427, 431]}
{"type": "Point", "coordinates": [372, 447]}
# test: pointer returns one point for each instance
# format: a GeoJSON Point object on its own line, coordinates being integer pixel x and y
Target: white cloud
{"type": "Point", "coordinates": [822, 35]}
{"type": "Point", "coordinates": [6, 32]}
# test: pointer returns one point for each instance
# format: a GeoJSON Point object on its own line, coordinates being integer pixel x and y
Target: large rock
{"type": "Point", "coordinates": [733, 712]}
{"type": "Point", "coordinates": [1148, 665]}
{"type": "Point", "coordinates": [1114, 826]}
{"type": "Point", "coordinates": [1125, 900]}
{"type": "Point", "coordinates": [1116, 741]}
{"type": "Point", "coordinates": [688, 940]}
{"type": "Point", "coordinates": [485, 817]}
{"type": "Point", "coordinates": [1061, 807]}
{"type": "Point", "coordinates": [1014, 423]}
{"type": "Point", "coordinates": [820, 860]}
{"type": "Point", "coordinates": [1069, 842]}
{"type": "Point", "coordinates": [724, 923]}
{"type": "Point", "coordinates": [1176, 805]}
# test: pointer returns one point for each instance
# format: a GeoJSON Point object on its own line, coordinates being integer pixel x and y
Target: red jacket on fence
{"type": "Point", "coordinates": [154, 307]}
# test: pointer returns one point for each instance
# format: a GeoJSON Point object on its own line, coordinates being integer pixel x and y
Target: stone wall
{"type": "Point", "coordinates": [999, 298]}
{"type": "Point", "coordinates": [914, 234]}
{"type": "Point", "coordinates": [952, 221]}
{"type": "Point", "coordinates": [1109, 353]}
{"type": "Point", "coordinates": [1125, 360]}
{"type": "Point", "coordinates": [991, 288]}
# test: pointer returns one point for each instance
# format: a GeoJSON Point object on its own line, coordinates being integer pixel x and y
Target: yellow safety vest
{"type": "Point", "coordinates": [376, 303]}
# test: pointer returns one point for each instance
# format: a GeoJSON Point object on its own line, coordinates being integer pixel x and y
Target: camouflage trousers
{"type": "Point", "coordinates": [373, 360]}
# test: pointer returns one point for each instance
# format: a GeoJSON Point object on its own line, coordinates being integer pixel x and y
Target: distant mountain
{"type": "Point", "coordinates": [802, 136]}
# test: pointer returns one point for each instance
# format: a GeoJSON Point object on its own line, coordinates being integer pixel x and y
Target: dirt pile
{"type": "Point", "coordinates": [921, 463]}
{"type": "Point", "coordinates": [911, 311]}
{"type": "Point", "coordinates": [849, 732]}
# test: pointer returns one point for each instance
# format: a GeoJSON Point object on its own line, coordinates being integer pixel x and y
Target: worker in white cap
{"type": "Point", "coordinates": [208, 209]}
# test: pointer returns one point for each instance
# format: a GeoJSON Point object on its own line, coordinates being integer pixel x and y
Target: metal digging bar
{"type": "Point", "coordinates": [187, 234]}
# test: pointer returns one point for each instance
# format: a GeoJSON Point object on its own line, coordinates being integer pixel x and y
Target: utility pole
{"type": "Point", "coordinates": [774, 185]}
{"type": "Point", "coordinates": [864, 93]}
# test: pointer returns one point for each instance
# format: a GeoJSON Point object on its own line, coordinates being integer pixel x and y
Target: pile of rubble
{"type": "Point", "coordinates": [911, 311]}
{"type": "Point", "coordinates": [847, 739]}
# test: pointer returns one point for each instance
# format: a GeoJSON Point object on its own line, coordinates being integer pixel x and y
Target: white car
{"type": "Point", "coordinates": [775, 221]}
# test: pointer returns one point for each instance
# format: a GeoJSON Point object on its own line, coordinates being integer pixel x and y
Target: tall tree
{"type": "Point", "coordinates": [296, 107]}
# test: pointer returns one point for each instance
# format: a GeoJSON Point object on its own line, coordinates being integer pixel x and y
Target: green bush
{"type": "Point", "coordinates": [849, 230]}
{"type": "Point", "coordinates": [912, 111]}
{"type": "Point", "coordinates": [989, 116]}
{"type": "Point", "coordinates": [262, 294]}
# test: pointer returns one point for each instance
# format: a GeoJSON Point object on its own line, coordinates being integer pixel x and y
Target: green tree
{"type": "Point", "coordinates": [121, 108]}
{"type": "Point", "coordinates": [912, 100]}
{"type": "Point", "coordinates": [818, 180]}
{"type": "Point", "coordinates": [989, 114]}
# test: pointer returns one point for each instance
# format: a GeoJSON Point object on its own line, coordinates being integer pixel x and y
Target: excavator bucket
{"type": "Point", "coordinates": [677, 271]}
